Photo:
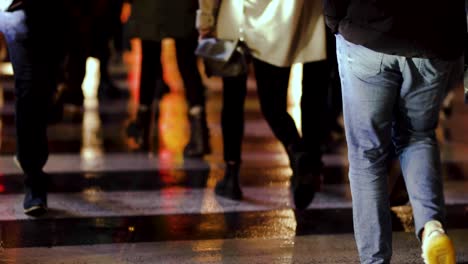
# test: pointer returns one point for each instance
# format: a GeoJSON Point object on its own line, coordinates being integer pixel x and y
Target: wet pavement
{"type": "Point", "coordinates": [325, 249]}
{"type": "Point", "coordinates": [109, 204]}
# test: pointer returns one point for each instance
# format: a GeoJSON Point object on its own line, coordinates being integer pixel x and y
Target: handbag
{"type": "Point", "coordinates": [223, 58]}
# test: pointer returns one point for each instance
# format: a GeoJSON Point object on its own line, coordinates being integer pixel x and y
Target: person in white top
{"type": "Point", "coordinates": [278, 34]}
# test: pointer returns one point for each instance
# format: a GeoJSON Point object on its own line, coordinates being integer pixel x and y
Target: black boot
{"type": "Point", "coordinates": [140, 129]}
{"type": "Point", "coordinates": [229, 186]}
{"type": "Point", "coordinates": [306, 176]}
{"type": "Point", "coordinates": [199, 144]}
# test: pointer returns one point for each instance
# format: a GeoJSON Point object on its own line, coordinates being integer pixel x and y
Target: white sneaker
{"type": "Point", "coordinates": [437, 248]}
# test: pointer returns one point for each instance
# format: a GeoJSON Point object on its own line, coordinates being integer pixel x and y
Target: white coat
{"type": "Point", "coordinates": [279, 32]}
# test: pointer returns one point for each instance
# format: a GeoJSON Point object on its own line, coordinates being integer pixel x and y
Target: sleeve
{"type": "Point", "coordinates": [335, 11]}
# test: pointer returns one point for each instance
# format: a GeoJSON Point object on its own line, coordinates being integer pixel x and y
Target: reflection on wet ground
{"type": "Point", "coordinates": [110, 204]}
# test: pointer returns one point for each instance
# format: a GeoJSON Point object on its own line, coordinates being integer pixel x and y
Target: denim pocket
{"type": "Point", "coordinates": [434, 69]}
{"type": "Point", "coordinates": [363, 62]}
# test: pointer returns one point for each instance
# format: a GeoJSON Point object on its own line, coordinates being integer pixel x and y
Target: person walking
{"type": "Point", "coordinates": [277, 34]}
{"type": "Point", "coordinates": [152, 21]}
{"type": "Point", "coordinates": [395, 64]}
{"type": "Point", "coordinates": [25, 25]}
{"type": "Point", "coordinates": [89, 31]}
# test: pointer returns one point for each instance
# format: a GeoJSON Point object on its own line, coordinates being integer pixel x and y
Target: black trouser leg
{"type": "Point", "coordinates": [315, 118]}
{"type": "Point", "coordinates": [232, 116]}
{"type": "Point", "coordinates": [151, 71]}
{"type": "Point", "coordinates": [78, 51]}
{"type": "Point", "coordinates": [272, 87]}
{"type": "Point", "coordinates": [187, 62]}
{"type": "Point", "coordinates": [35, 67]}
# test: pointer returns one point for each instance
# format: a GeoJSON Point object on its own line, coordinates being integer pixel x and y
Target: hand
{"type": "Point", "coordinates": [205, 33]}
{"type": "Point", "coordinates": [126, 12]}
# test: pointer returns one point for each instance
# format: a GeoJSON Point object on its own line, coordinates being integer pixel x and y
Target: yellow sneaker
{"type": "Point", "coordinates": [437, 248]}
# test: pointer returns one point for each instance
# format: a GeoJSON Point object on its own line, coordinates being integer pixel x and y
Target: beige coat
{"type": "Point", "coordinates": [280, 32]}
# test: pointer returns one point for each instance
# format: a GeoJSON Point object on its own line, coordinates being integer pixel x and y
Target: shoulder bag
{"type": "Point", "coordinates": [223, 58]}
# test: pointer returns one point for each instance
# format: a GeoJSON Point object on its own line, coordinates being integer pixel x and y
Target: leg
{"type": "Point", "coordinates": [101, 35]}
{"type": "Point", "coordinates": [369, 95]}
{"type": "Point", "coordinates": [272, 94]}
{"type": "Point", "coordinates": [140, 129]}
{"type": "Point", "coordinates": [195, 93]}
{"type": "Point", "coordinates": [187, 62]}
{"type": "Point", "coordinates": [425, 82]}
{"type": "Point", "coordinates": [314, 109]}
{"type": "Point", "coordinates": [232, 125]}
{"type": "Point", "coordinates": [151, 71]}
{"type": "Point", "coordinates": [31, 102]}
{"type": "Point", "coordinates": [232, 117]}
{"type": "Point", "coordinates": [35, 81]}
{"type": "Point", "coordinates": [424, 86]}
{"type": "Point", "coordinates": [78, 50]}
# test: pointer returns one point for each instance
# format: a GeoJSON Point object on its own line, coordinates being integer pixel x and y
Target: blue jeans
{"type": "Point", "coordinates": [35, 64]}
{"type": "Point", "coordinates": [390, 99]}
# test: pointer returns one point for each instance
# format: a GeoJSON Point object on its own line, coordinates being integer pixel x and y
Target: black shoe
{"type": "Point", "coordinates": [139, 129]}
{"type": "Point", "coordinates": [199, 143]}
{"type": "Point", "coordinates": [306, 177]}
{"type": "Point", "coordinates": [35, 201]}
{"type": "Point", "coordinates": [229, 186]}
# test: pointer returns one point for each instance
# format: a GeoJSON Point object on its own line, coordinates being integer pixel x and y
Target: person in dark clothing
{"type": "Point", "coordinates": [152, 21]}
{"type": "Point", "coordinates": [396, 62]}
{"type": "Point", "coordinates": [25, 25]}
{"type": "Point", "coordinates": [90, 29]}
{"type": "Point", "coordinates": [299, 37]}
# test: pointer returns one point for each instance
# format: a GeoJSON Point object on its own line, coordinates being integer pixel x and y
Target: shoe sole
{"type": "Point", "coordinates": [440, 251]}
{"type": "Point", "coordinates": [35, 211]}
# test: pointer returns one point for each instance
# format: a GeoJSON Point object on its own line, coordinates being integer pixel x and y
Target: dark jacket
{"type": "Point", "coordinates": [158, 19]}
{"type": "Point", "coordinates": [411, 28]}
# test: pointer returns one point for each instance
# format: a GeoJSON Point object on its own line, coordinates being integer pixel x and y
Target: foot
{"type": "Point", "coordinates": [138, 135]}
{"type": "Point", "coordinates": [306, 178]}
{"type": "Point", "coordinates": [199, 143]}
{"type": "Point", "coordinates": [135, 132]}
{"type": "Point", "coordinates": [229, 186]}
{"type": "Point", "coordinates": [304, 188]}
{"type": "Point", "coordinates": [35, 201]}
{"type": "Point", "coordinates": [139, 130]}
{"type": "Point", "coordinates": [437, 248]}
{"type": "Point", "coordinates": [303, 194]}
